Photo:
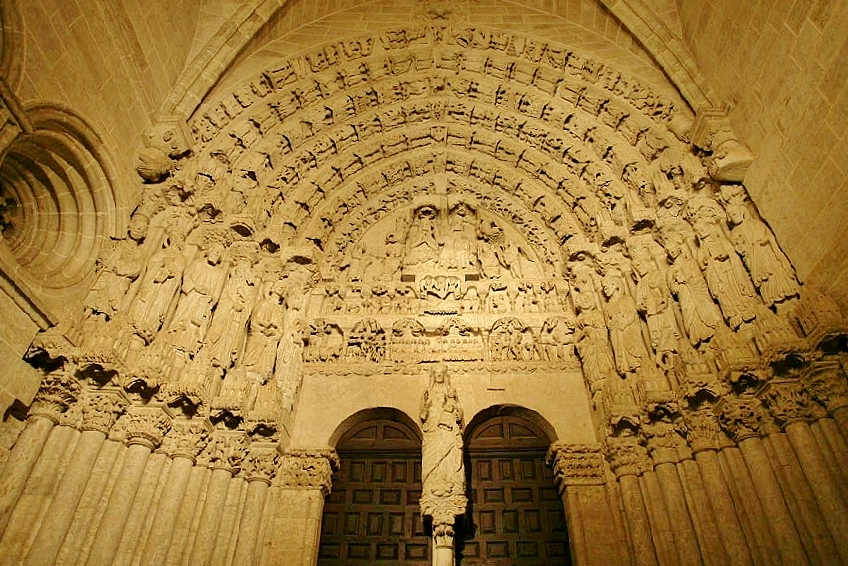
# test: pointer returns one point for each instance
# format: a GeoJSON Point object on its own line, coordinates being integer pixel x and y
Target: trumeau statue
{"type": "Point", "coordinates": [442, 470]}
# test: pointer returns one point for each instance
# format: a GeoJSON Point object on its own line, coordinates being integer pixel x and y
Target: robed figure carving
{"type": "Point", "coordinates": [442, 473]}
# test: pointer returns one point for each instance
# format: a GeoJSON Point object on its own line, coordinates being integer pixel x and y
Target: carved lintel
{"type": "Point", "coordinates": [187, 438]}
{"type": "Point", "coordinates": [308, 469]}
{"type": "Point", "coordinates": [741, 417]}
{"type": "Point", "coordinates": [576, 464]}
{"type": "Point", "coordinates": [730, 158]}
{"type": "Point", "coordinates": [145, 425]}
{"type": "Point", "coordinates": [58, 391]}
{"type": "Point", "coordinates": [826, 383]}
{"type": "Point", "coordinates": [787, 402]}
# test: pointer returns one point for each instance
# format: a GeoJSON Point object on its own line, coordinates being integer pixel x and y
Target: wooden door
{"type": "Point", "coordinates": [515, 515]}
{"type": "Point", "coordinates": [372, 515]}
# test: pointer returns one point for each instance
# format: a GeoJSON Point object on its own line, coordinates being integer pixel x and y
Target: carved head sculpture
{"type": "Point", "coordinates": [138, 226]}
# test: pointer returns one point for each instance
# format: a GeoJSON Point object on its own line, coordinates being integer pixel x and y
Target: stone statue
{"type": "Point", "coordinates": [122, 266]}
{"type": "Point", "coordinates": [701, 317]}
{"type": "Point", "coordinates": [653, 300]}
{"type": "Point", "coordinates": [593, 345]}
{"type": "Point", "coordinates": [266, 329]}
{"type": "Point", "coordinates": [625, 330]}
{"type": "Point", "coordinates": [156, 294]}
{"type": "Point", "coordinates": [228, 332]}
{"type": "Point", "coordinates": [769, 268]}
{"type": "Point", "coordinates": [201, 288]}
{"type": "Point", "coordinates": [726, 276]}
{"type": "Point", "coordinates": [442, 470]}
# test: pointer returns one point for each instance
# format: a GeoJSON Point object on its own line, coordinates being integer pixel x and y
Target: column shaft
{"type": "Point", "coordinates": [188, 518]}
{"type": "Point", "coordinates": [825, 490]}
{"type": "Point", "coordinates": [210, 518]}
{"type": "Point", "coordinates": [681, 525]}
{"type": "Point", "coordinates": [728, 526]}
{"type": "Point", "coordinates": [61, 512]}
{"type": "Point", "coordinates": [637, 520]}
{"type": "Point", "coordinates": [19, 465]}
{"type": "Point", "coordinates": [39, 487]}
{"type": "Point", "coordinates": [771, 498]}
{"type": "Point", "coordinates": [108, 536]}
{"type": "Point", "coordinates": [703, 518]}
{"type": "Point", "coordinates": [159, 539]}
{"type": "Point", "coordinates": [661, 530]}
{"type": "Point", "coordinates": [249, 526]}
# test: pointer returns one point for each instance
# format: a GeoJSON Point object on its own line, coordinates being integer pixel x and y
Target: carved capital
{"type": "Point", "coordinates": [787, 402]}
{"type": "Point", "coordinates": [308, 469]}
{"type": "Point", "coordinates": [704, 430]}
{"type": "Point", "coordinates": [58, 391]}
{"type": "Point", "coordinates": [443, 510]}
{"type": "Point", "coordinates": [665, 441]}
{"type": "Point", "coordinates": [145, 425]}
{"type": "Point", "coordinates": [576, 464]}
{"type": "Point", "coordinates": [260, 465]}
{"type": "Point", "coordinates": [627, 457]}
{"type": "Point", "coordinates": [825, 381]}
{"type": "Point", "coordinates": [741, 417]}
{"type": "Point", "coordinates": [186, 439]}
{"type": "Point", "coordinates": [100, 409]}
{"type": "Point", "coordinates": [226, 450]}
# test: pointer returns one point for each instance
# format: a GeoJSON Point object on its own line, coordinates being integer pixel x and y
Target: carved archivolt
{"type": "Point", "coordinates": [443, 195]}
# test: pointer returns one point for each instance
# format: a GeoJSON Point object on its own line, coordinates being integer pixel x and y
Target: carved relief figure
{"type": "Point", "coordinates": [701, 317]}
{"type": "Point", "coordinates": [442, 471]}
{"type": "Point", "coordinates": [653, 300]}
{"type": "Point", "coordinates": [156, 294]}
{"type": "Point", "coordinates": [423, 242]}
{"type": "Point", "coordinates": [726, 276]}
{"type": "Point", "coordinates": [120, 268]}
{"type": "Point", "coordinates": [460, 251]}
{"type": "Point", "coordinates": [266, 329]}
{"type": "Point", "coordinates": [625, 330]}
{"type": "Point", "coordinates": [229, 327]}
{"type": "Point", "coordinates": [201, 288]}
{"type": "Point", "coordinates": [769, 268]}
{"type": "Point", "coordinates": [593, 345]}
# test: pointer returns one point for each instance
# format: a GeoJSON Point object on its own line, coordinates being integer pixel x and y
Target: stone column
{"type": "Point", "coordinates": [742, 418]}
{"type": "Point", "coordinates": [225, 452]}
{"type": "Point", "coordinates": [259, 468]}
{"type": "Point", "coordinates": [792, 409]}
{"type": "Point", "coordinates": [825, 382]}
{"type": "Point", "coordinates": [704, 437]}
{"type": "Point", "coordinates": [628, 459]}
{"type": "Point", "coordinates": [99, 409]}
{"type": "Point", "coordinates": [58, 391]}
{"type": "Point", "coordinates": [579, 473]}
{"type": "Point", "coordinates": [667, 448]}
{"type": "Point", "coordinates": [183, 442]}
{"type": "Point", "coordinates": [145, 428]}
{"type": "Point", "coordinates": [303, 482]}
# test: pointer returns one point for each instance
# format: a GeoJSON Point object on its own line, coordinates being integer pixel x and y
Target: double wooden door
{"type": "Point", "coordinates": [515, 516]}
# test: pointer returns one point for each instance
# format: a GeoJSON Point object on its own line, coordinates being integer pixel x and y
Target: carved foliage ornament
{"type": "Point", "coordinates": [58, 391]}
{"type": "Point", "coordinates": [308, 469]}
{"type": "Point", "coordinates": [576, 464]}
